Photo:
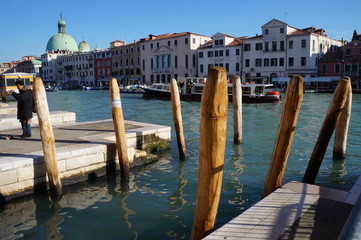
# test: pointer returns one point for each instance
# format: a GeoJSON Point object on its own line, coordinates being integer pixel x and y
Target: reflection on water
{"type": "Point", "coordinates": [158, 202]}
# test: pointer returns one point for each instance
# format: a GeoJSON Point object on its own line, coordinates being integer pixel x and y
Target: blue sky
{"type": "Point", "coordinates": [28, 25]}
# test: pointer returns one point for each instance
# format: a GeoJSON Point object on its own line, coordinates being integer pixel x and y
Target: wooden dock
{"type": "Point", "coordinates": [294, 211]}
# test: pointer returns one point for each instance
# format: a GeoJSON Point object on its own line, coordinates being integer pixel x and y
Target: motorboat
{"type": "Point", "coordinates": [251, 92]}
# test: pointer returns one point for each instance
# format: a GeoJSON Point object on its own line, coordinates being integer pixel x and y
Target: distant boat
{"type": "Point", "coordinates": [133, 89]}
{"type": "Point", "coordinates": [87, 88]}
{"type": "Point", "coordinates": [251, 92]}
{"type": "Point", "coordinates": [51, 89]}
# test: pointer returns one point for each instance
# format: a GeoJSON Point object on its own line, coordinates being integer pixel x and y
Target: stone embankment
{"type": "Point", "coordinates": [84, 150]}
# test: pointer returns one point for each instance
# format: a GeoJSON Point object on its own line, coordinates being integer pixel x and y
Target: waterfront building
{"type": "Point", "coordinates": [126, 66]}
{"type": "Point", "coordinates": [223, 51]}
{"type": "Point", "coordinates": [282, 51]}
{"type": "Point", "coordinates": [75, 69]}
{"type": "Point", "coordinates": [169, 56]}
{"type": "Point", "coordinates": [346, 62]}
{"type": "Point", "coordinates": [103, 66]}
{"type": "Point", "coordinates": [28, 64]}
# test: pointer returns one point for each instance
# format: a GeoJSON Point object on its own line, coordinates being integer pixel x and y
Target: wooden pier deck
{"type": "Point", "coordinates": [294, 211]}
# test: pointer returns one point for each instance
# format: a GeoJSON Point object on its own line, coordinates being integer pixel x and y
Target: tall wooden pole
{"type": "Point", "coordinates": [237, 109]}
{"type": "Point", "coordinates": [177, 118]}
{"type": "Point", "coordinates": [284, 139]}
{"type": "Point", "coordinates": [119, 128]}
{"type": "Point", "coordinates": [336, 106]}
{"type": "Point", "coordinates": [47, 137]}
{"type": "Point", "coordinates": [212, 142]}
{"type": "Point", "coordinates": [339, 148]}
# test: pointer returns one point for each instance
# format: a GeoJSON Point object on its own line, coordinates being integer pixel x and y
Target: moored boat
{"type": "Point", "coordinates": [251, 92]}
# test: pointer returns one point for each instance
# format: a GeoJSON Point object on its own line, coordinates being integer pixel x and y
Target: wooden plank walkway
{"type": "Point", "coordinates": [294, 211]}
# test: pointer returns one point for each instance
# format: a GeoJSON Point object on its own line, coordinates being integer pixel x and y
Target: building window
{"type": "Point", "coordinates": [227, 67]}
{"type": "Point", "coordinates": [201, 68]}
{"type": "Point", "coordinates": [274, 46]}
{"type": "Point", "coordinates": [151, 63]}
{"type": "Point", "coordinates": [337, 68]}
{"type": "Point", "coordinates": [266, 62]}
{"type": "Point", "coordinates": [194, 60]}
{"type": "Point", "coordinates": [282, 30]}
{"type": "Point", "coordinates": [324, 69]}
{"type": "Point", "coordinates": [151, 45]}
{"type": "Point", "coordinates": [221, 53]}
{"type": "Point", "coordinates": [282, 62]}
{"type": "Point", "coordinates": [210, 53]}
{"type": "Point", "coordinates": [168, 43]}
{"type": "Point", "coordinates": [258, 46]}
{"type": "Point", "coordinates": [186, 40]}
{"type": "Point", "coordinates": [258, 62]}
{"type": "Point", "coordinates": [290, 44]}
{"type": "Point", "coordinates": [237, 67]}
{"type": "Point", "coordinates": [273, 62]}
{"type": "Point", "coordinates": [303, 43]}
{"type": "Point", "coordinates": [216, 53]}
{"type": "Point", "coordinates": [143, 64]}
{"type": "Point", "coordinates": [348, 52]}
{"type": "Point", "coordinates": [237, 51]}
{"type": "Point", "coordinates": [175, 61]}
{"type": "Point", "coordinates": [266, 31]}
{"type": "Point", "coordinates": [247, 63]}
{"type": "Point", "coordinates": [266, 46]}
{"type": "Point", "coordinates": [194, 40]}
{"type": "Point", "coordinates": [200, 54]}
{"type": "Point", "coordinates": [247, 47]}
{"type": "Point", "coordinates": [227, 52]}
{"type": "Point", "coordinates": [303, 61]}
{"type": "Point", "coordinates": [157, 45]}
{"type": "Point", "coordinates": [175, 42]}
{"type": "Point", "coordinates": [282, 45]}
{"type": "Point", "coordinates": [290, 61]}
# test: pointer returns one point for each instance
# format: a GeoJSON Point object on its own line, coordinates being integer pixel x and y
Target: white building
{"type": "Point", "coordinates": [223, 51]}
{"type": "Point", "coordinates": [283, 50]}
{"type": "Point", "coordinates": [170, 55]}
{"type": "Point", "coordinates": [75, 70]}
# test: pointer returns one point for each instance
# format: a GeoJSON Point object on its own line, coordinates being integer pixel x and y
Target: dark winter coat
{"type": "Point", "coordinates": [25, 103]}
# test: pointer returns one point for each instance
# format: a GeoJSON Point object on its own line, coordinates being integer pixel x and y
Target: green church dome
{"type": "Point", "coordinates": [84, 46]}
{"type": "Point", "coordinates": [61, 40]}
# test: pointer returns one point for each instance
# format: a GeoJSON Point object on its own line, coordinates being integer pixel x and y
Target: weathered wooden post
{"type": "Point", "coordinates": [119, 128]}
{"type": "Point", "coordinates": [336, 106]}
{"type": "Point", "coordinates": [237, 109]}
{"type": "Point", "coordinates": [177, 118]}
{"type": "Point", "coordinates": [212, 142]}
{"type": "Point", "coordinates": [286, 130]}
{"type": "Point", "coordinates": [47, 137]}
{"type": "Point", "coordinates": [339, 147]}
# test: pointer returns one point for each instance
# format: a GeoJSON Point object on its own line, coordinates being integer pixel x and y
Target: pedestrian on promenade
{"type": "Point", "coordinates": [25, 106]}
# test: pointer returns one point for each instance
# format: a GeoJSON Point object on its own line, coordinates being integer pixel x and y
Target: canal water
{"type": "Point", "coordinates": [159, 201]}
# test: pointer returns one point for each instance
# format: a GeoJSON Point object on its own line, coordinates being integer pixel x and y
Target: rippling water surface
{"type": "Point", "coordinates": [159, 201]}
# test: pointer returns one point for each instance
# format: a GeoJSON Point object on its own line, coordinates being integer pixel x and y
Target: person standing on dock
{"type": "Point", "coordinates": [25, 106]}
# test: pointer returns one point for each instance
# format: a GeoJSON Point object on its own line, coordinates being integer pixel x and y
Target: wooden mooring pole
{"type": "Point", "coordinates": [284, 139]}
{"type": "Point", "coordinates": [119, 128]}
{"type": "Point", "coordinates": [47, 137]}
{"type": "Point", "coordinates": [213, 124]}
{"type": "Point", "coordinates": [177, 118]}
{"type": "Point", "coordinates": [237, 109]}
{"type": "Point", "coordinates": [339, 147]}
{"type": "Point", "coordinates": [336, 106]}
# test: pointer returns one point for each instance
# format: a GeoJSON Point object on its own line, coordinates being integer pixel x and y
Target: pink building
{"type": "Point", "coordinates": [347, 62]}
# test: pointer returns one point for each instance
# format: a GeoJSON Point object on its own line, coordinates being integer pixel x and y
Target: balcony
{"type": "Point", "coordinates": [159, 70]}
